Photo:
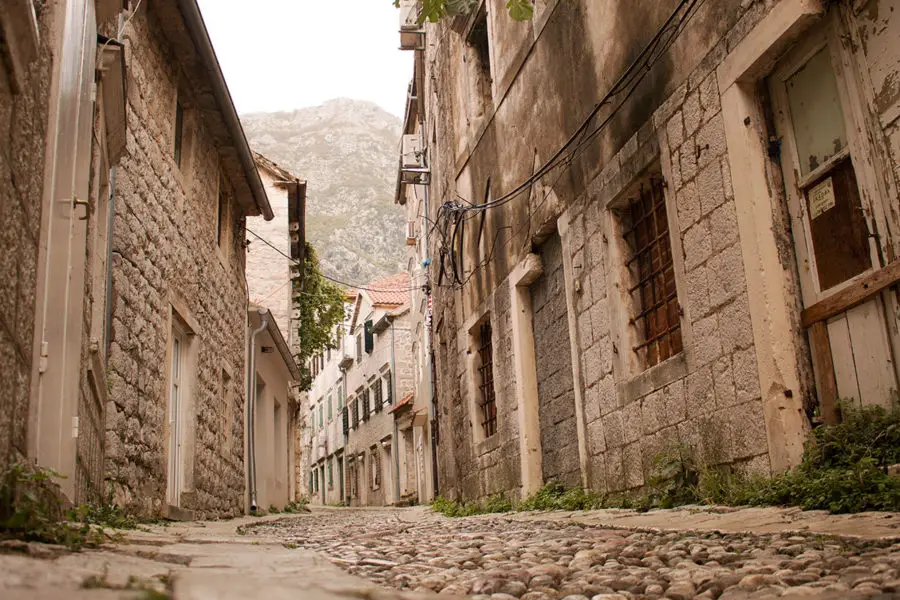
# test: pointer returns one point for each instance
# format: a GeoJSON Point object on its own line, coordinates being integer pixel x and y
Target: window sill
{"type": "Point", "coordinates": [654, 378]}
{"type": "Point", "coordinates": [487, 445]}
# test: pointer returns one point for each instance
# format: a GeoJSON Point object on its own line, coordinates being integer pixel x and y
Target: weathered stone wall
{"type": "Point", "coordinates": [23, 128]}
{"type": "Point", "coordinates": [165, 248]}
{"type": "Point", "coordinates": [709, 397]}
{"type": "Point", "coordinates": [556, 387]}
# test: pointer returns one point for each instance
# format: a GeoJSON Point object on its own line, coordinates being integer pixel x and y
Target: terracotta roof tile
{"type": "Point", "coordinates": [392, 291]}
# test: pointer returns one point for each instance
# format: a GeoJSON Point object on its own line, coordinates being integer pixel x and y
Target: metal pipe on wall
{"type": "Point", "coordinates": [251, 410]}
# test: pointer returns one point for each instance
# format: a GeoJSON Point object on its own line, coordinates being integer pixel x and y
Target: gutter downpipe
{"type": "Point", "coordinates": [432, 408]}
{"type": "Point", "coordinates": [396, 427]}
{"type": "Point", "coordinates": [251, 410]}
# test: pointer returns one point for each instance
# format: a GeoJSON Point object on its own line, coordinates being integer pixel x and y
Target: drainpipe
{"type": "Point", "coordinates": [251, 409]}
{"type": "Point", "coordinates": [432, 409]}
{"type": "Point", "coordinates": [396, 427]}
{"type": "Point", "coordinates": [111, 219]}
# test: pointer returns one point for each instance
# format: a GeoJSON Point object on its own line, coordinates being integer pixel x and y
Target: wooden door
{"type": "Point", "coordinates": [836, 216]}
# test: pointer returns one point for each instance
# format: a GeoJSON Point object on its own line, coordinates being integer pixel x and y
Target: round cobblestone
{"type": "Point", "coordinates": [497, 558]}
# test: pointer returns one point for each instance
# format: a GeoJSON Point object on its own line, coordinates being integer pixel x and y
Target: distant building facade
{"type": "Point", "coordinates": [672, 225]}
{"type": "Point", "coordinates": [369, 437]}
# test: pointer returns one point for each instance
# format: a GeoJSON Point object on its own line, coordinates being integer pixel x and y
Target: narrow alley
{"type": "Point", "coordinates": [411, 553]}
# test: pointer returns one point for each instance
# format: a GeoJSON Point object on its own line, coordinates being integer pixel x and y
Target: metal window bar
{"type": "Point", "coordinates": [486, 370]}
{"type": "Point", "coordinates": [658, 315]}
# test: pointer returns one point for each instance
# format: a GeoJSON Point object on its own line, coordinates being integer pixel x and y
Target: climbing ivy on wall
{"type": "Point", "coordinates": [435, 10]}
{"type": "Point", "coordinates": [321, 306]}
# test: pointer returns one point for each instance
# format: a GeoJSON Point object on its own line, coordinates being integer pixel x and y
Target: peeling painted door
{"type": "Point", "coordinates": [65, 245]}
{"type": "Point", "coordinates": [837, 219]}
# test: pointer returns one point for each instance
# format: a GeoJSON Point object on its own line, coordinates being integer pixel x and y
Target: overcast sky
{"type": "Point", "coordinates": [286, 54]}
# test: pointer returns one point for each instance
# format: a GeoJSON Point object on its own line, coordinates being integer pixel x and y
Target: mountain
{"type": "Point", "coordinates": [347, 150]}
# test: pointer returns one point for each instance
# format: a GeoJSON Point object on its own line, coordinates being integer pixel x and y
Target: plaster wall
{"type": "Point", "coordinates": [268, 271]}
{"type": "Point", "coordinates": [273, 437]}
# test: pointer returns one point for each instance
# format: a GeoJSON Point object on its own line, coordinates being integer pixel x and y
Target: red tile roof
{"type": "Point", "coordinates": [393, 291]}
{"type": "Point", "coordinates": [407, 400]}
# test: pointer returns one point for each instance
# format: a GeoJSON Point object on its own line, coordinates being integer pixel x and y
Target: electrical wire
{"type": "Point", "coordinates": [628, 82]}
{"type": "Point", "coordinates": [364, 288]}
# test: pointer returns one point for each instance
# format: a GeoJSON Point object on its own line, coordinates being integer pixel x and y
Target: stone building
{"type": "Point", "coordinates": [62, 131]}
{"type": "Point", "coordinates": [413, 194]}
{"type": "Point", "coordinates": [128, 182]}
{"type": "Point", "coordinates": [657, 226]}
{"type": "Point", "coordinates": [271, 275]}
{"type": "Point", "coordinates": [322, 429]}
{"type": "Point", "coordinates": [179, 334]}
{"type": "Point", "coordinates": [364, 424]}
{"type": "Point", "coordinates": [271, 470]}
{"type": "Point", "coordinates": [380, 379]}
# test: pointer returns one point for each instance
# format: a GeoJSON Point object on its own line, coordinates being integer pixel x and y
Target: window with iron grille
{"type": "Point", "coordinates": [379, 395]}
{"type": "Point", "coordinates": [657, 314]}
{"type": "Point", "coordinates": [365, 405]}
{"type": "Point", "coordinates": [488, 400]}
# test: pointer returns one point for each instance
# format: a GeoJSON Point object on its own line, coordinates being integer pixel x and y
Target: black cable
{"type": "Point", "coordinates": [333, 280]}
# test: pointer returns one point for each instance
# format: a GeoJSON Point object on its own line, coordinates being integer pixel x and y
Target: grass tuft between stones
{"type": "Point", "coordinates": [845, 469]}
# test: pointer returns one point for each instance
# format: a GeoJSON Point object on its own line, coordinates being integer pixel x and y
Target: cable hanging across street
{"type": "Point", "coordinates": [452, 215]}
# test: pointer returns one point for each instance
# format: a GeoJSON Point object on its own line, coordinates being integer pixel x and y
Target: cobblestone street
{"type": "Point", "coordinates": [548, 558]}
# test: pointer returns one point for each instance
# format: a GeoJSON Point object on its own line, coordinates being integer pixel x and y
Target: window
{"type": "Point", "coordinates": [345, 417]}
{"type": "Point", "coordinates": [179, 132]}
{"type": "Point", "coordinates": [359, 348]}
{"type": "Point", "coordinates": [369, 336]}
{"type": "Point", "coordinates": [488, 401]}
{"type": "Point", "coordinates": [479, 56]}
{"type": "Point", "coordinates": [311, 484]}
{"type": "Point", "coordinates": [312, 421]}
{"type": "Point", "coordinates": [375, 461]}
{"type": "Point", "coordinates": [818, 147]}
{"type": "Point", "coordinates": [228, 414]}
{"type": "Point", "coordinates": [354, 417]}
{"type": "Point", "coordinates": [656, 312]}
{"type": "Point", "coordinates": [379, 395]}
{"type": "Point", "coordinates": [330, 473]}
{"type": "Point", "coordinates": [321, 415]}
{"type": "Point", "coordinates": [340, 397]}
{"type": "Point", "coordinates": [330, 416]}
{"type": "Point", "coordinates": [222, 217]}
{"type": "Point", "coordinates": [365, 404]}
{"type": "Point", "coordinates": [389, 386]}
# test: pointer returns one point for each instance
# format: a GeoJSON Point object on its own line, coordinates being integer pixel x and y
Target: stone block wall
{"type": "Point", "coordinates": [708, 398]}
{"type": "Point", "coordinates": [165, 247]}
{"type": "Point", "coordinates": [23, 128]}
{"type": "Point", "coordinates": [556, 386]}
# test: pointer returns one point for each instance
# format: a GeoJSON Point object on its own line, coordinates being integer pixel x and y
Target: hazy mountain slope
{"type": "Point", "coordinates": [347, 150]}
